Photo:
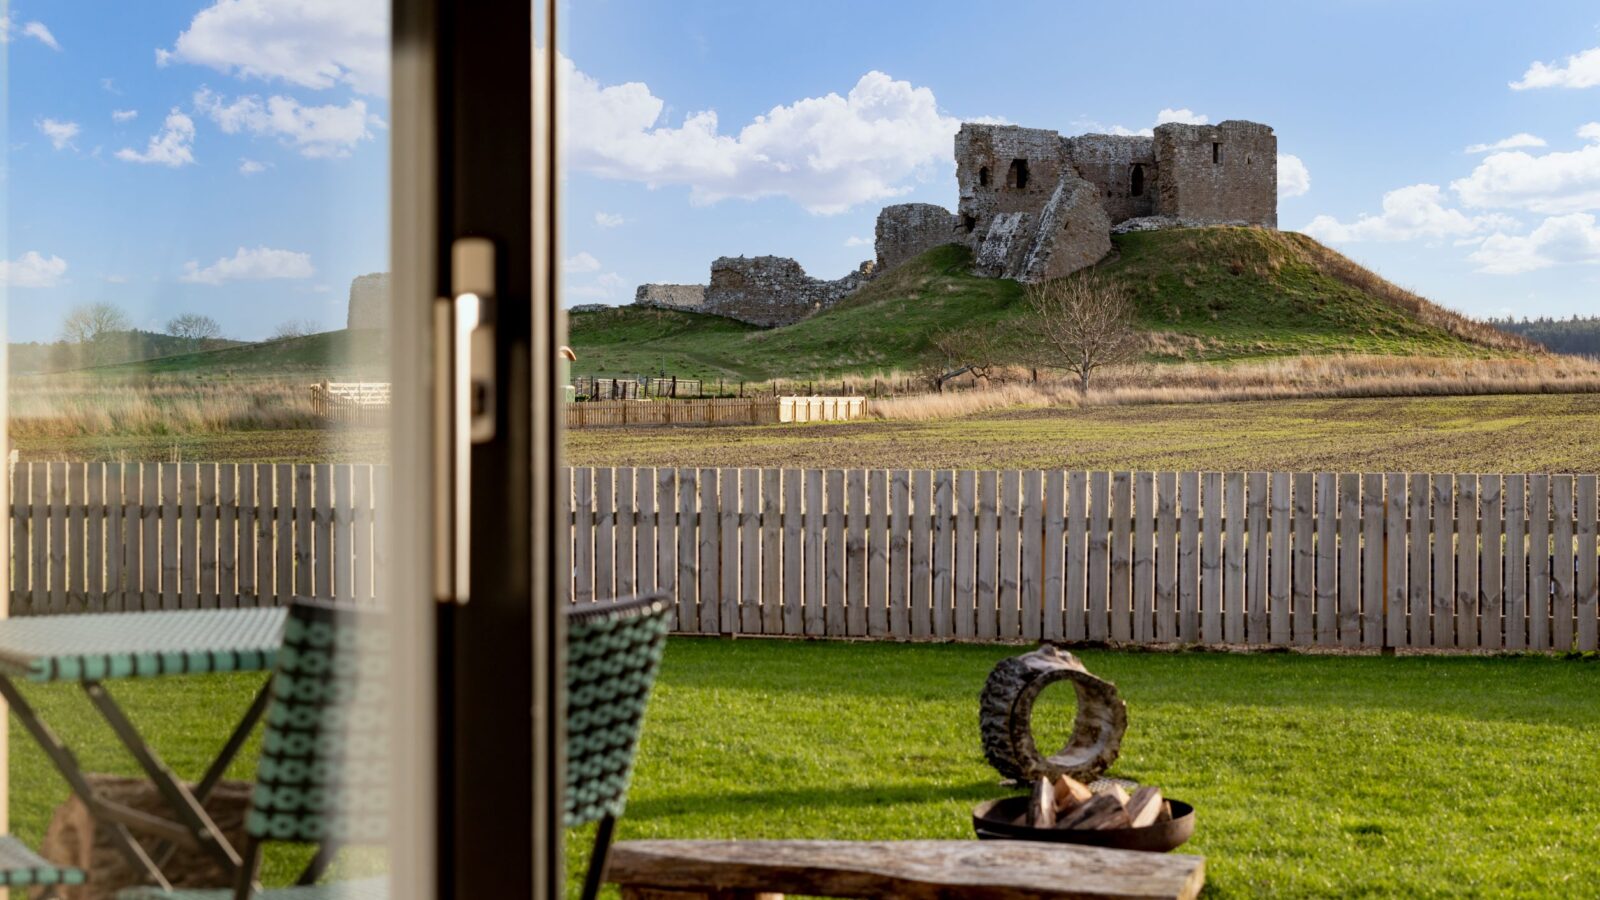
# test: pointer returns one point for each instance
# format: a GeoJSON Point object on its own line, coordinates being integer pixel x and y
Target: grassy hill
{"type": "Point", "coordinates": [116, 347]}
{"type": "Point", "coordinates": [331, 354]}
{"type": "Point", "coordinates": [1202, 293]}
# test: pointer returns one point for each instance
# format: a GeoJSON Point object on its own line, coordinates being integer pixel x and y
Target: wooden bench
{"type": "Point", "coordinates": [992, 870]}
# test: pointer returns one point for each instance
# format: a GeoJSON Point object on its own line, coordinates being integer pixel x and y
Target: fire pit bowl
{"type": "Point", "coordinates": [997, 820]}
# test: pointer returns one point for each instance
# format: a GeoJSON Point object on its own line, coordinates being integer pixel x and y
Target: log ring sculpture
{"type": "Point", "coordinates": [1006, 718]}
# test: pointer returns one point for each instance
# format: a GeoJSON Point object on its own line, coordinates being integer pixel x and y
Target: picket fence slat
{"type": "Point", "coordinates": [966, 579]}
{"type": "Point", "coordinates": [710, 546]}
{"type": "Point", "coordinates": [1210, 598]}
{"type": "Point", "coordinates": [1121, 556]}
{"type": "Point", "coordinates": [1491, 557]}
{"type": "Point", "coordinates": [814, 622]}
{"type": "Point", "coordinates": [1189, 557]}
{"type": "Point", "coordinates": [793, 554]}
{"type": "Point", "coordinates": [1029, 581]}
{"type": "Point", "coordinates": [750, 504]}
{"type": "Point", "coordinates": [728, 541]}
{"type": "Point", "coordinates": [1233, 569]}
{"type": "Point", "coordinates": [943, 586]}
{"type": "Point", "coordinates": [1010, 555]}
{"type": "Point", "coordinates": [1561, 565]}
{"type": "Point", "coordinates": [855, 580]}
{"type": "Point", "coordinates": [1516, 563]}
{"type": "Point", "coordinates": [920, 592]}
{"type": "Point", "coordinates": [1144, 560]}
{"type": "Point", "coordinates": [1588, 578]}
{"type": "Point", "coordinates": [1096, 614]}
{"type": "Point", "coordinates": [1539, 562]}
{"type": "Point", "coordinates": [1305, 559]}
{"type": "Point", "coordinates": [988, 555]}
{"type": "Point", "coordinates": [1077, 554]}
{"type": "Point", "coordinates": [834, 561]}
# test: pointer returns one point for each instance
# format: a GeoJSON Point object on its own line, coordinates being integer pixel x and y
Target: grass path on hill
{"type": "Point", "coordinates": [1312, 776]}
{"type": "Point", "coordinates": [1511, 433]}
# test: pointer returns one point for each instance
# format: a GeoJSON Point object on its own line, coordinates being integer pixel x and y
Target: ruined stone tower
{"type": "Point", "coordinates": [1033, 206]}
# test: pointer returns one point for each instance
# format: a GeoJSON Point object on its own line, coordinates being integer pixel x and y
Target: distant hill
{"type": "Point", "coordinates": [347, 355]}
{"type": "Point", "coordinates": [1203, 294]}
{"type": "Point", "coordinates": [118, 347]}
{"type": "Point", "coordinates": [1578, 336]}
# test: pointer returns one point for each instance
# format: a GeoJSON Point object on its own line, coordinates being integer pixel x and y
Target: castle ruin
{"type": "Point", "coordinates": [1033, 206]}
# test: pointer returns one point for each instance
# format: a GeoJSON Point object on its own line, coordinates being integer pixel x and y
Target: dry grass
{"type": "Point", "coordinates": [68, 406]}
{"type": "Point", "coordinates": [1304, 377]}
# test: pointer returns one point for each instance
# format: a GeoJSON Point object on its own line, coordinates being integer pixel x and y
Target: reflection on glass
{"type": "Point", "coordinates": [196, 283]}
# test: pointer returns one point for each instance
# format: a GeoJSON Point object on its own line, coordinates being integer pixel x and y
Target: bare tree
{"type": "Point", "coordinates": [955, 352]}
{"type": "Point", "coordinates": [1080, 324]}
{"type": "Point", "coordinates": [293, 328]}
{"type": "Point", "coordinates": [91, 322]}
{"type": "Point", "coordinates": [194, 326]}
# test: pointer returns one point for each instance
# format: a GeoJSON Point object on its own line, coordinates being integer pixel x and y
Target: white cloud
{"type": "Point", "coordinates": [310, 43]}
{"type": "Point", "coordinates": [608, 220]}
{"type": "Point", "coordinates": [259, 264]}
{"type": "Point", "coordinates": [172, 146]}
{"type": "Point", "coordinates": [1410, 212]}
{"type": "Point", "coordinates": [1580, 70]}
{"type": "Point", "coordinates": [1555, 183]}
{"type": "Point", "coordinates": [1590, 132]}
{"type": "Point", "coordinates": [1185, 116]}
{"type": "Point", "coordinates": [32, 270]}
{"type": "Point", "coordinates": [124, 115]}
{"type": "Point", "coordinates": [114, 279]}
{"type": "Point", "coordinates": [316, 131]}
{"type": "Point", "coordinates": [827, 154]}
{"type": "Point", "coordinates": [40, 33]}
{"type": "Point", "coordinates": [1294, 179]}
{"type": "Point", "coordinates": [604, 287]}
{"type": "Point", "coordinates": [855, 240]}
{"type": "Point", "coordinates": [1515, 142]}
{"type": "Point", "coordinates": [60, 133]}
{"type": "Point", "coordinates": [1568, 239]}
{"type": "Point", "coordinates": [582, 262]}
{"type": "Point", "coordinates": [251, 167]}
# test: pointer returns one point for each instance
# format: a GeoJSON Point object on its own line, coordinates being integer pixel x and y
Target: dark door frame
{"type": "Point", "coordinates": [479, 154]}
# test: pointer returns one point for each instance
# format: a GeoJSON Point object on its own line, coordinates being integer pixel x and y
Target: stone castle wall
{"type": "Point", "coordinates": [369, 302]}
{"type": "Point", "coordinates": [1221, 174]}
{"type": "Point", "coordinates": [908, 230]}
{"type": "Point", "coordinates": [773, 290]}
{"type": "Point", "coordinates": [690, 297]}
{"type": "Point", "coordinates": [1122, 168]}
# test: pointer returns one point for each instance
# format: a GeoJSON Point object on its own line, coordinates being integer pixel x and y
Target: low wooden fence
{"type": "Point", "coordinates": [113, 537]}
{"type": "Point", "coordinates": [821, 409]}
{"type": "Point", "coordinates": [752, 411]}
{"type": "Point", "coordinates": [1346, 560]}
{"type": "Point", "coordinates": [351, 403]}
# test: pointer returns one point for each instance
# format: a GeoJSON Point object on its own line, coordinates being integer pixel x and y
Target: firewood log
{"type": "Point", "coordinates": [1144, 807]}
{"type": "Point", "coordinates": [1042, 805]}
{"type": "Point", "coordinates": [1119, 792]}
{"type": "Point", "coordinates": [1166, 811]}
{"type": "Point", "coordinates": [1070, 794]}
{"type": "Point", "coordinates": [1102, 811]}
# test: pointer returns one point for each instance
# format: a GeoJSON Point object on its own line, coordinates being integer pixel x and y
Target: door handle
{"type": "Point", "coordinates": [464, 407]}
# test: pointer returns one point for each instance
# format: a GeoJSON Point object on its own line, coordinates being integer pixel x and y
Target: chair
{"type": "Point", "coordinates": [323, 774]}
{"type": "Point", "coordinates": [613, 653]}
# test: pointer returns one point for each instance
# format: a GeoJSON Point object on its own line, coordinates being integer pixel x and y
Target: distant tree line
{"type": "Point", "coordinates": [1578, 335]}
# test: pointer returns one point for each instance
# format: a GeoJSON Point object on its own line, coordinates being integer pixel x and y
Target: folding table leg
{"type": "Point", "coordinates": [67, 765]}
{"type": "Point", "coordinates": [183, 803]}
{"type": "Point", "coordinates": [219, 766]}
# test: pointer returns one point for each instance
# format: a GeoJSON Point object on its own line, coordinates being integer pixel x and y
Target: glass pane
{"type": "Point", "coordinates": [195, 274]}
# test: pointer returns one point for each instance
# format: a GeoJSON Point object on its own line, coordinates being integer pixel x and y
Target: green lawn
{"type": "Point", "coordinates": [1312, 775]}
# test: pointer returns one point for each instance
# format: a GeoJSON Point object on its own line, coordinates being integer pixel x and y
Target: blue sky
{"type": "Point", "coordinates": [230, 157]}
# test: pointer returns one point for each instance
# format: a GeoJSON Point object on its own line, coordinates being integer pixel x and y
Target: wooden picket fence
{"type": "Point", "coordinates": [121, 537]}
{"type": "Point", "coordinates": [752, 411]}
{"type": "Point", "coordinates": [352, 402]}
{"type": "Point", "coordinates": [1332, 560]}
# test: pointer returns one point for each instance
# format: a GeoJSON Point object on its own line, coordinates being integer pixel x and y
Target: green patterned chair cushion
{"type": "Point", "coordinates": [613, 653]}
{"type": "Point", "coordinates": [359, 889]}
{"type": "Point", "coordinates": [323, 773]}
{"type": "Point", "coordinates": [21, 867]}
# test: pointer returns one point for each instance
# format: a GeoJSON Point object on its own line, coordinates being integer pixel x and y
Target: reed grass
{"type": "Point", "coordinates": [70, 406]}
{"type": "Point", "coordinates": [1301, 377]}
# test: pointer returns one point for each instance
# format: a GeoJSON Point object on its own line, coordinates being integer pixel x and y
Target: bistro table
{"type": "Point", "coordinates": [94, 649]}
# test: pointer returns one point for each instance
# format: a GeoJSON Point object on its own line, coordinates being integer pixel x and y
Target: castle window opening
{"type": "Point", "coordinates": [1017, 176]}
{"type": "Point", "coordinates": [1216, 153]}
{"type": "Point", "coordinates": [983, 176]}
{"type": "Point", "coordinates": [1136, 185]}
{"type": "Point", "coordinates": [968, 223]}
